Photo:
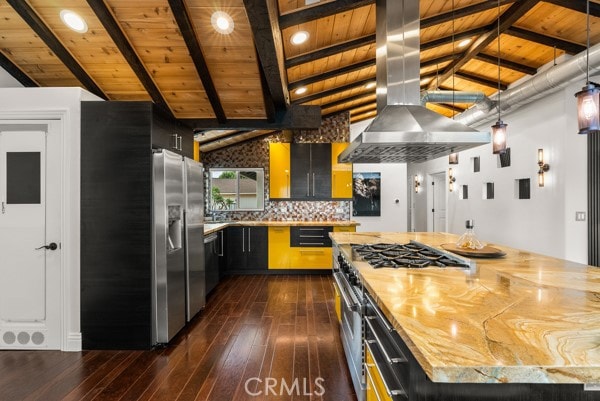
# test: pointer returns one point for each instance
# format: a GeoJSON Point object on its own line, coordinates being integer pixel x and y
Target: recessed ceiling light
{"type": "Point", "coordinates": [222, 22]}
{"type": "Point", "coordinates": [301, 90]}
{"type": "Point", "coordinates": [371, 85]}
{"type": "Point", "coordinates": [464, 42]}
{"type": "Point", "coordinates": [73, 21]}
{"type": "Point", "coordinates": [299, 37]}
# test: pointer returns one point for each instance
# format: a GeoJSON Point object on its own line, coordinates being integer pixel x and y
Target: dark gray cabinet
{"type": "Point", "coordinates": [116, 221]}
{"type": "Point", "coordinates": [247, 249]}
{"type": "Point", "coordinates": [310, 167]}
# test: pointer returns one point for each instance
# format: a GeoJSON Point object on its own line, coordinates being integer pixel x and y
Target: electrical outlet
{"type": "Point", "coordinates": [579, 216]}
{"type": "Point", "coordinates": [339, 210]}
{"type": "Point", "coordinates": [591, 387]}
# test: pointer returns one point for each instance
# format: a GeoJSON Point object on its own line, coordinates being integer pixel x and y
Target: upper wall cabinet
{"type": "Point", "coordinates": [309, 171]}
{"type": "Point", "coordinates": [341, 173]}
{"type": "Point", "coordinates": [279, 170]}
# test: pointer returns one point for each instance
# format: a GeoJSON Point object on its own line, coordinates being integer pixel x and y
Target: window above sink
{"type": "Point", "coordinates": [236, 189]}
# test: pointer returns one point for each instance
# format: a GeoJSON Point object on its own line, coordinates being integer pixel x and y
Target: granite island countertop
{"type": "Point", "coordinates": [211, 227]}
{"type": "Point", "coordinates": [523, 318]}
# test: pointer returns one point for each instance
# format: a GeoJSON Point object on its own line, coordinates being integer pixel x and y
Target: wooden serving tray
{"type": "Point", "coordinates": [485, 252]}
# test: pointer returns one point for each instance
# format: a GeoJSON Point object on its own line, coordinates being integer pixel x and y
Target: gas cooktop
{"type": "Point", "coordinates": [411, 255]}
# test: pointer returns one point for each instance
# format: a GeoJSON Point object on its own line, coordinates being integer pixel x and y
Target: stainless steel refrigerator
{"type": "Point", "coordinates": [178, 247]}
{"type": "Point", "coordinates": [194, 237]}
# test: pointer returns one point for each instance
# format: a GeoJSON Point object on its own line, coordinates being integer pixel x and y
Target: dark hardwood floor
{"type": "Point", "coordinates": [259, 338]}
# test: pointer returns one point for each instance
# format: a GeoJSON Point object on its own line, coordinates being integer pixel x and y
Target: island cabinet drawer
{"type": "Point", "coordinates": [382, 378]}
{"type": "Point", "coordinates": [279, 247]}
{"type": "Point", "coordinates": [310, 258]}
{"type": "Point", "coordinates": [310, 236]}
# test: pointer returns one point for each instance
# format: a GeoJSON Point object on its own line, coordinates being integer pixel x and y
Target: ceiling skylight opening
{"type": "Point", "coordinates": [464, 42]}
{"type": "Point", "coordinates": [73, 21]}
{"type": "Point", "coordinates": [222, 22]}
{"type": "Point", "coordinates": [301, 91]}
{"type": "Point", "coordinates": [299, 37]}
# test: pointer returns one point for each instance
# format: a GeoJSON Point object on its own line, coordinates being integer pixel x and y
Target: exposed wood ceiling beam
{"type": "Point", "coordinates": [507, 19]}
{"type": "Point", "coordinates": [364, 109]}
{"type": "Point", "coordinates": [462, 12]}
{"type": "Point", "coordinates": [334, 91]}
{"type": "Point", "coordinates": [234, 140]}
{"type": "Point", "coordinates": [525, 69]}
{"type": "Point", "coordinates": [569, 47]}
{"type": "Point", "coordinates": [332, 73]}
{"type": "Point", "coordinates": [457, 37]}
{"type": "Point", "coordinates": [116, 33]}
{"type": "Point", "coordinates": [42, 30]}
{"type": "Point", "coordinates": [347, 100]}
{"type": "Point", "coordinates": [577, 6]}
{"type": "Point", "coordinates": [359, 104]}
{"type": "Point", "coordinates": [16, 72]}
{"type": "Point", "coordinates": [294, 117]}
{"type": "Point", "coordinates": [269, 103]}
{"type": "Point", "coordinates": [439, 60]}
{"type": "Point", "coordinates": [480, 80]}
{"type": "Point", "coordinates": [329, 51]}
{"type": "Point", "coordinates": [191, 40]}
{"type": "Point", "coordinates": [320, 11]}
{"type": "Point", "coordinates": [209, 136]}
{"type": "Point", "coordinates": [361, 116]}
{"type": "Point", "coordinates": [262, 15]}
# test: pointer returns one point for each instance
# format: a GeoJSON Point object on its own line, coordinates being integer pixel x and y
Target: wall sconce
{"type": "Point", "coordinates": [544, 167]}
{"type": "Point", "coordinates": [453, 158]}
{"type": "Point", "coordinates": [417, 184]}
{"type": "Point", "coordinates": [451, 180]}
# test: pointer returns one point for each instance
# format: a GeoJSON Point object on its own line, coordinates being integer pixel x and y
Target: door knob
{"type": "Point", "coordinates": [51, 246]}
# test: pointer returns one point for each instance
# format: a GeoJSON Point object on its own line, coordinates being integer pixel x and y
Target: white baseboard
{"type": "Point", "coordinates": [73, 343]}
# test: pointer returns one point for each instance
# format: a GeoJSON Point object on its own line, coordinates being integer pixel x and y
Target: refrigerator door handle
{"type": "Point", "coordinates": [243, 239]}
{"type": "Point", "coordinates": [249, 243]}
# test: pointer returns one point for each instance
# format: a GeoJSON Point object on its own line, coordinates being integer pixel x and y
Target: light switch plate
{"type": "Point", "coordinates": [339, 210]}
{"type": "Point", "coordinates": [579, 216]}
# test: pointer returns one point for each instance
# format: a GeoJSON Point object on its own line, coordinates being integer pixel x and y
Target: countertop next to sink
{"type": "Point", "coordinates": [523, 318]}
{"type": "Point", "coordinates": [211, 227]}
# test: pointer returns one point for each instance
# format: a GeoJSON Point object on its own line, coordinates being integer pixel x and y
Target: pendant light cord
{"type": "Point", "coordinates": [453, 87]}
{"type": "Point", "coordinates": [587, 48]}
{"type": "Point", "coordinates": [498, 39]}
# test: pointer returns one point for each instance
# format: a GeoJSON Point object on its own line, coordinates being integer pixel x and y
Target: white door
{"type": "Point", "coordinates": [438, 211]}
{"type": "Point", "coordinates": [30, 274]}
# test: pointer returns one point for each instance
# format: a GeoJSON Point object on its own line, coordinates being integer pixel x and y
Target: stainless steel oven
{"type": "Point", "coordinates": [349, 287]}
{"type": "Point", "coordinates": [386, 366]}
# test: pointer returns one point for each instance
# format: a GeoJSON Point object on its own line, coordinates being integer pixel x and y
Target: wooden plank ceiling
{"type": "Point", "coordinates": [236, 86]}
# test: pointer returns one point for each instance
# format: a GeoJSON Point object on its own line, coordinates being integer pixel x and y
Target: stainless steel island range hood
{"type": "Point", "coordinates": [404, 131]}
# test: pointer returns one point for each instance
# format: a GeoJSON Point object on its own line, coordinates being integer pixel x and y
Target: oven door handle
{"type": "Point", "coordinates": [378, 340]}
{"type": "Point", "coordinates": [375, 309]}
{"type": "Point", "coordinates": [390, 392]}
{"type": "Point", "coordinates": [353, 306]}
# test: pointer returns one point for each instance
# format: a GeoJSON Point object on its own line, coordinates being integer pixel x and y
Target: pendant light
{"type": "Point", "coordinates": [453, 157]}
{"type": "Point", "coordinates": [588, 99]}
{"type": "Point", "coordinates": [499, 129]}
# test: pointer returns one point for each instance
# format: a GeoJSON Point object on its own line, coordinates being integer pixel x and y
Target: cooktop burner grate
{"type": "Point", "coordinates": [411, 255]}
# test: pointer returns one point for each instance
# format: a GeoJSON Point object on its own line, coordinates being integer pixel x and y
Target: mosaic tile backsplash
{"type": "Point", "coordinates": [255, 154]}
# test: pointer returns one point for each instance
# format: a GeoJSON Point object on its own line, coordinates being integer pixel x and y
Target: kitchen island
{"type": "Point", "coordinates": [522, 318]}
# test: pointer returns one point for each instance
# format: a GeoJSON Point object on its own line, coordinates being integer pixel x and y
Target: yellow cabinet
{"type": "Point", "coordinates": [338, 302]}
{"type": "Point", "coordinates": [344, 229]}
{"type": "Point", "coordinates": [341, 173]}
{"type": "Point", "coordinates": [310, 258]}
{"type": "Point", "coordinates": [279, 247]}
{"type": "Point", "coordinates": [279, 170]}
